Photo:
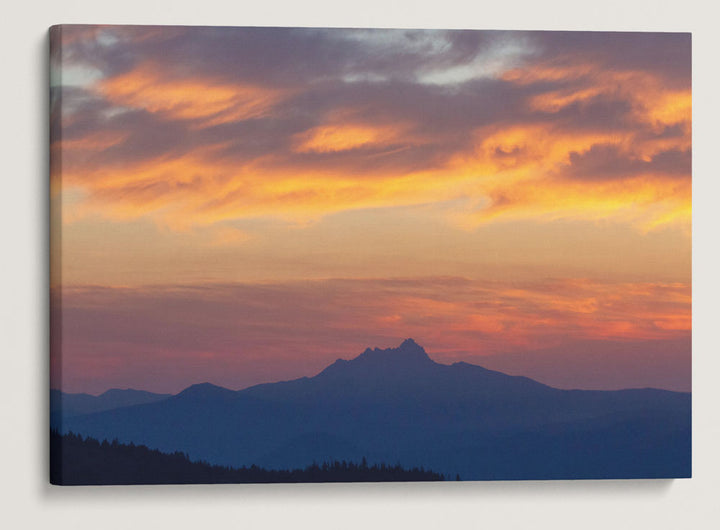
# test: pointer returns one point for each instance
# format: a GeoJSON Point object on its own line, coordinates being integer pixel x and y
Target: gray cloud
{"type": "Point", "coordinates": [371, 77]}
{"type": "Point", "coordinates": [604, 161]}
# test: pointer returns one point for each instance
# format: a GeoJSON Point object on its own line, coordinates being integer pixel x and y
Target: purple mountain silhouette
{"type": "Point", "coordinates": [399, 406]}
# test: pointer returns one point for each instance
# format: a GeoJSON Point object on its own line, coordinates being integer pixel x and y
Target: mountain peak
{"type": "Point", "coordinates": [205, 390]}
{"type": "Point", "coordinates": [407, 357]}
{"type": "Point", "coordinates": [122, 391]}
{"type": "Point", "coordinates": [408, 353]}
{"type": "Point", "coordinates": [410, 344]}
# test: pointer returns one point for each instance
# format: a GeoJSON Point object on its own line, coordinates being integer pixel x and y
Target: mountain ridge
{"type": "Point", "coordinates": [387, 358]}
{"type": "Point", "coordinates": [398, 405]}
{"type": "Point", "coordinates": [64, 405]}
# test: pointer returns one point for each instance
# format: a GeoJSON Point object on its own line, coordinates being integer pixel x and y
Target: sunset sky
{"type": "Point", "coordinates": [244, 205]}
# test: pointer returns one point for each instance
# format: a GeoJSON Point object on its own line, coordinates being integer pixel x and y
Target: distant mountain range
{"type": "Point", "coordinates": [399, 406]}
{"type": "Point", "coordinates": [64, 405]}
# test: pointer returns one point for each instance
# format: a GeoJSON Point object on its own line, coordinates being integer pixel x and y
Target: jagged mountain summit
{"type": "Point", "coordinates": [408, 353]}
{"type": "Point", "coordinates": [409, 356]}
{"type": "Point", "coordinates": [398, 405]}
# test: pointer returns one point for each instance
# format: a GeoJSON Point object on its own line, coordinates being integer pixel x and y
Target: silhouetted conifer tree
{"type": "Point", "coordinates": [78, 460]}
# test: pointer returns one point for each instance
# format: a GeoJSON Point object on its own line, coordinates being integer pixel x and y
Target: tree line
{"type": "Point", "coordinates": [78, 460]}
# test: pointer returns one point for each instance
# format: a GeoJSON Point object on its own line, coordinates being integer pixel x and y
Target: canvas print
{"type": "Point", "coordinates": [344, 255]}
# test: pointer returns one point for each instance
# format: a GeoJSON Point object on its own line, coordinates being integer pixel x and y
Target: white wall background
{"type": "Point", "coordinates": [27, 501]}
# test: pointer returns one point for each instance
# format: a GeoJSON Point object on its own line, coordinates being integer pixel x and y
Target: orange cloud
{"type": "Point", "coordinates": [541, 314]}
{"type": "Point", "coordinates": [210, 102]}
{"type": "Point", "coordinates": [345, 136]}
{"type": "Point", "coordinates": [663, 107]}
{"type": "Point", "coordinates": [522, 169]}
{"type": "Point", "coordinates": [518, 173]}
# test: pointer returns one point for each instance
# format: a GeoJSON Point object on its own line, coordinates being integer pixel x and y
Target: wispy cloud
{"type": "Point", "coordinates": [239, 334]}
{"type": "Point", "coordinates": [191, 127]}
